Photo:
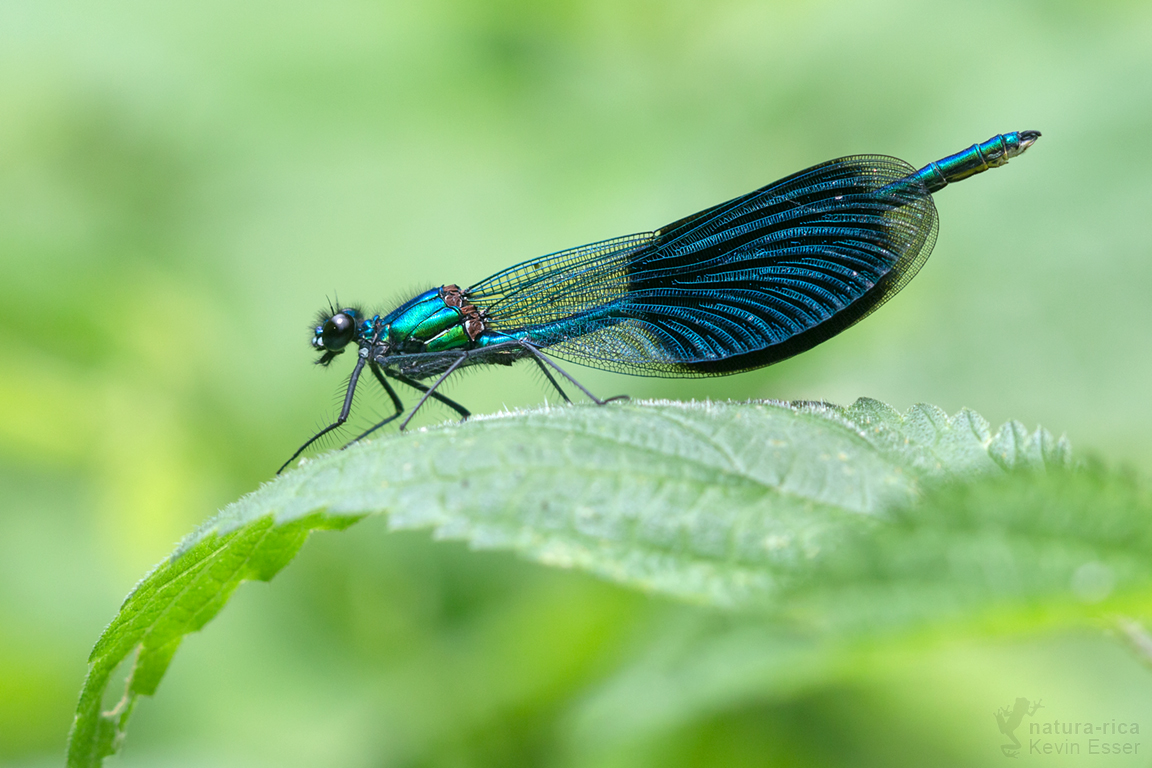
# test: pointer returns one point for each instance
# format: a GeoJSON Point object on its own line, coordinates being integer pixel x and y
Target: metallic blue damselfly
{"type": "Point", "coordinates": [738, 286]}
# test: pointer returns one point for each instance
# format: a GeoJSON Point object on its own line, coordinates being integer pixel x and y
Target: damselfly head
{"type": "Point", "coordinates": [334, 331]}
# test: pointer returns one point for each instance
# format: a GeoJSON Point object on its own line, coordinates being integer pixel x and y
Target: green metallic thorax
{"type": "Point", "coordinates": [435, 321]}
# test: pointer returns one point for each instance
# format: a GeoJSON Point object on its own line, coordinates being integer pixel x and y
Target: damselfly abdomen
{"type": "Point", "coordinates": [738, 286]}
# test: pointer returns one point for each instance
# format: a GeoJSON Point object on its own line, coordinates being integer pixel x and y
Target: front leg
{"type": "Point", "coordinates": [344, 411]}
{"type": "Point", "coordinates": [399, 406]}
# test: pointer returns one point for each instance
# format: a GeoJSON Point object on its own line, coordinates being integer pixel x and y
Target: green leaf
{"type": "Point", "coordinates": [1002, 554]}
{"type": "Point", "coordinates": [1014, 551]}
{"type": "Point", "coordinates": [179, 596]}
{"type": "Point", "coordinates": [718, 503]}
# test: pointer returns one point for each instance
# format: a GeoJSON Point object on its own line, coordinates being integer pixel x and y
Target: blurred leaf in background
{"type": "Point", "coordinates": [182, 186]}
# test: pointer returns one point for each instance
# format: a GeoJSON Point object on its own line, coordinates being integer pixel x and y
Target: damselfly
{"type": "Point", "coordinates": [741, 285]}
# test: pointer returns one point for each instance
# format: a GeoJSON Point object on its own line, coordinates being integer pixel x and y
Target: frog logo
{"type": "Point", "coordinates": [1009, 719]}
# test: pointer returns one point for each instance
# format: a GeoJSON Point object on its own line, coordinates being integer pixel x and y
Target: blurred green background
{"type": "Point", "coordinates": [183, 185]}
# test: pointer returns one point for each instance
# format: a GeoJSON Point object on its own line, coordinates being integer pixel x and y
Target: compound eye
{"type": "Point", "coordinates": [337, 332]}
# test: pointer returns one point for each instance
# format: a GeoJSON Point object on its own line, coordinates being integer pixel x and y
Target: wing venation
{"type": "Point", "coordinates": [736, 286]}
